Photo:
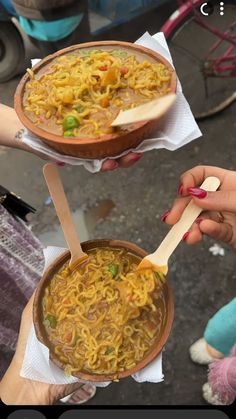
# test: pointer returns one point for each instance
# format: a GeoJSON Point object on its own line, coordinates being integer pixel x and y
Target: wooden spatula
{"type": "Point", "coordinates": [159, 259]}
{"type": "Point", "coordinates": [57, 193]}
{"type": "Point", "coordinates": [150, 110]}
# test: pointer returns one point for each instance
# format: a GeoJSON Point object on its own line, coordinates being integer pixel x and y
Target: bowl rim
{"type": "Point", "coordinates": [41, 332]}
{"type": "Point", "coordinates": [54, 138]}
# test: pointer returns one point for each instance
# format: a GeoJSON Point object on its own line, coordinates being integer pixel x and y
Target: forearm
{"type": "Point", "coordinates": [10, 125]}
{"type": "Point", "coordinates": [15, 390]}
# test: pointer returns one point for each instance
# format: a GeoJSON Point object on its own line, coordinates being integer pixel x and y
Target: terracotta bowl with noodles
{"type": "Point", "coordinates": [70, 98]}
{"type": "Point", "coordinates": [104, 321]}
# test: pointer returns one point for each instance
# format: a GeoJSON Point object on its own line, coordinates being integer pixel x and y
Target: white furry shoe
{"type": "Point", "coordinates": [199, 354]}
{"type": "Point", "coordinates": [210, 397]}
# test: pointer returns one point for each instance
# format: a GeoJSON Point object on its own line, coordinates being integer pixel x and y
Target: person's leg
{"type": "Point", "coordinates": [219, 336]}
{"type": "Point", "coordinates": [79, 35]}
{"type": "Point", "coordinates": [220, 332]}
{"type": "Point", "coordinates": [201, 353]}
{"type": "Point", "coordinates": [213, 352]}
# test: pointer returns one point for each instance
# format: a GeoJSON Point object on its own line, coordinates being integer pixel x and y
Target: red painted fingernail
{"type": "Point", "coordinates": [185, 236]}
{"type": "Point", "coordinates": [60, 163]}
{"type": "Point", "coordinates": [165, 215]}
{"type": "Point", "coordinates": [198, 220]}
{"type": "Point", "coordinates": [136, 157]}
{"type": "Point", "coordinates": [180, 189]}
{"type": "Point", "coordinates": [198, 192]}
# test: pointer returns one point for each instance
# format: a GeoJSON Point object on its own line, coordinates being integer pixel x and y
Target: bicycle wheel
{"type": "Point", "coordinates": [189, 44]}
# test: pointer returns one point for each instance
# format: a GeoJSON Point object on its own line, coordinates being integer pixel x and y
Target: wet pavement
{"type": "Point", "coordinates": [134, 200]}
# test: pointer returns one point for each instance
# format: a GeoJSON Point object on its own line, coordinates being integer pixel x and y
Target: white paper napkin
{"type": "Point", "coordinates": [37, 365]}
{"type": "Point", "coordinates": [177, 129]}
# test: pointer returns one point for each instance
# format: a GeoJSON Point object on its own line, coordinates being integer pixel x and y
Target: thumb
{"type": "Point", "coordinates": [61, 391]}
{"type": "Point", "coordinates": [214, 201]}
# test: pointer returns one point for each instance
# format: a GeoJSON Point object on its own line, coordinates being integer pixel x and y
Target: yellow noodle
{"type": "Point", "coordinates": [93, 80]}
{"type": "Point", "coordinates": [103, 322]}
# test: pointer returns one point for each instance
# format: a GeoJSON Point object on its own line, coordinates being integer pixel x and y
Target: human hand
{"type": "Point", "coordinates": [11, 137]}
{"type": "Point", "coordinates": [16, 390]}
{"type": "Point", "coordinates": [108, 165]}
{"type": "Point", "coordinates": [218, 219]}
{"type": "Point", "coordinates": [125, 161]}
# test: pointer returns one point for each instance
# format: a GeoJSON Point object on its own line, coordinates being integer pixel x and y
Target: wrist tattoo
{"type": "Point", "coordinates": [19, 134]}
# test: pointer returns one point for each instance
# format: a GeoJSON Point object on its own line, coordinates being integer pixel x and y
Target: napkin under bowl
{"type": "Point", "coordinates": [108, 145]}
{"type": "Point", "coordinates": [38, 334]}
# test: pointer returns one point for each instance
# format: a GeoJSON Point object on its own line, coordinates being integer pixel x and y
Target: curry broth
{"type": "Point", "coordinates": [119, 328]}
{"type": "Point", "coordinates": [102, 115]}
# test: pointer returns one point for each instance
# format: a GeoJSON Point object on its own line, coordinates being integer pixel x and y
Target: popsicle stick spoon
{"type": "Point", "coordinates": [150, 110]}
{"type": "Point", "coordinates": [60, 202]}
{"type": "Point", "coordinates": [159, 259]}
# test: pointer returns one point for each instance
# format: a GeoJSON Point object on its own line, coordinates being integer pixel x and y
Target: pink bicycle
{"type": "Point", "coordinates": [203, 48]}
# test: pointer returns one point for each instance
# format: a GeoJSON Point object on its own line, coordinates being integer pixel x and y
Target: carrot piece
{"type": "Point", "coordinates": [124, 70]}
{"type": "Point", "coordinates": [103, 68]}
{"type": "Point", "coordinates": [104, 102]}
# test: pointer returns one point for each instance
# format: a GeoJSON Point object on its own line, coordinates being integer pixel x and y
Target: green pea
{"type": "Point", "coordinates": [80, 108]}
{"type": "Point", "coordinates": [51, 320]}
{"type": "Point", "coordinates": [113, 268]}
{"type": "Point", "coordinates": [69, 133]}
{"type": "Point", "coordinates": [70, 122]}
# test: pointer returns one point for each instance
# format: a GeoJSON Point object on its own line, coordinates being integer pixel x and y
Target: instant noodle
{"type": "Point", "coordinates": [69, 99]}
{"type": "Point", "coordinates": [81, 93]}
{"type": "Point", "coordinates": [103, 319]}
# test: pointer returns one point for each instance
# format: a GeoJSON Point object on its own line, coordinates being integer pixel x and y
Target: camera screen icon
{"type": "Point", "coordinates": [207, 8]}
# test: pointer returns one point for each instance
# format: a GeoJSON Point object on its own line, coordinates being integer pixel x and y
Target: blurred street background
{"type": "Point", "coordinates": [127, 204]}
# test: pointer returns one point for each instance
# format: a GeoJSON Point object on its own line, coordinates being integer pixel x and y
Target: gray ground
{"type": "Point", "coordinates": [202, 282]}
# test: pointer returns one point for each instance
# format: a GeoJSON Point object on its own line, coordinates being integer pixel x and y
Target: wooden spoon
{"type": "Point", "coordinates": [57, 193]}
{"type": "Point", "coordinates": [150, 110]}
{"type": "Point", "coordinates": [159, 259]}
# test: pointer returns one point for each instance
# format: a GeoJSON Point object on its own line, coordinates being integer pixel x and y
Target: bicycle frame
{"type": "Point", "coordinates": [217, 67]}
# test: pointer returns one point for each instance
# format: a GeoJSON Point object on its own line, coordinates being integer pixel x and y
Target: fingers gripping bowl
{"type": "Point", "coordinates": [103, 324]}
{"type": "Point", "coordinates": [71, 97]}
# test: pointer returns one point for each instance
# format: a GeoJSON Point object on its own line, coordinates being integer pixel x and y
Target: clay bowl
{"type": "Point", "coordinates": [106, 145]}
{"type": "Point", "coordinates": [161, 338]}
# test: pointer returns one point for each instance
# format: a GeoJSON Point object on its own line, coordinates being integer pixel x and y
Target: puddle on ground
{"type": "Point", "coordinates": [85, 223]}
{"type": "Point", "coordinates": [97, 213]}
